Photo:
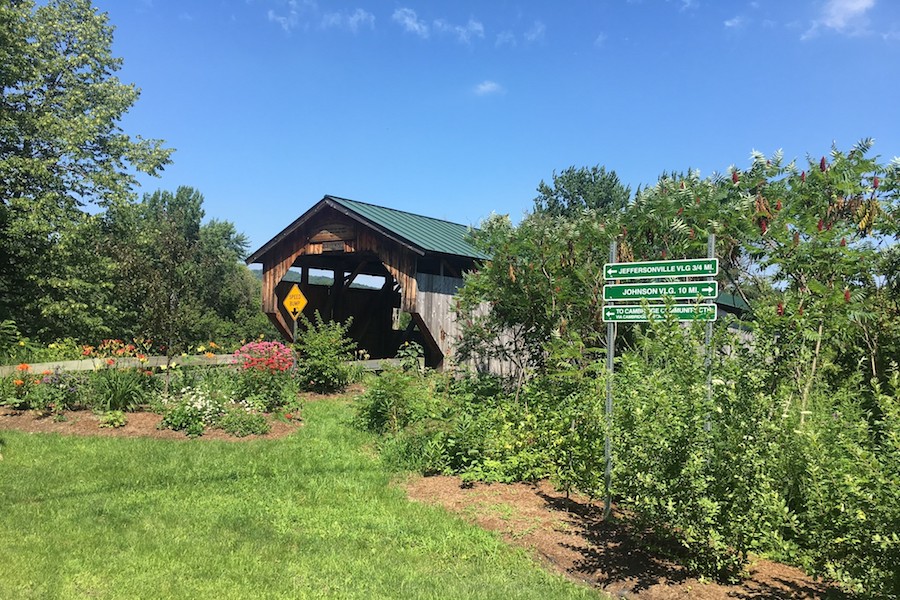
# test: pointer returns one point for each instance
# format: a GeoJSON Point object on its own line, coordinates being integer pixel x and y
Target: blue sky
{"type": "Point", "coordinates": [459, 109]}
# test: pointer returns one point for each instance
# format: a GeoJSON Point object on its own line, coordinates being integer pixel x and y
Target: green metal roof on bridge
{"type": "Point", "coordinates": [428, 233]}
{"type": "Point", "coordinates": [424, 235]}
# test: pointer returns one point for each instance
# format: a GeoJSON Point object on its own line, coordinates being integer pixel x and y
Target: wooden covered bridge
{"type": "Point", "coordinates": [420, 259]}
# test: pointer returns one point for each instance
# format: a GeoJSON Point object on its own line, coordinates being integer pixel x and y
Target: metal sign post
{"type": "Point", "coordinates": [610, 365]}
{"type": "Point", "coordinates": [710, 253]}
{"type": "Point", "coordinates": [613, 313]}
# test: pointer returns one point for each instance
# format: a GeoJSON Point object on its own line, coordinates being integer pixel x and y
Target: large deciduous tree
{"type": "Point", "coordinates": [178, 280]}
{"type": "Point", "coordinates": [61, 147]}
{"type": "Point", "coordinates": [544, 280]}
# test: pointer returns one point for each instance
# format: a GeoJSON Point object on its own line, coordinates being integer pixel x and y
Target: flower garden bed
{"type": "Point", "coordinates": [138, 424]}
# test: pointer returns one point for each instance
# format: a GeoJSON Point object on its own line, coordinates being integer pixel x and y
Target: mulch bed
{"type": "Point", "coordinates": [139, 424]}
{"type": "Point", "coordinates": [569, 536]}
{"type": "Point", "coordinates": [143, 424]}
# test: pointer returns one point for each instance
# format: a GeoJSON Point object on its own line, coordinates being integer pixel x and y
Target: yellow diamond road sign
{"type": "Point", "coordinates": [295, 302]}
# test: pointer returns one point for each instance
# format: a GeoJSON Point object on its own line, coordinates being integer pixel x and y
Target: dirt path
{"type": "Point", "coordinates": [569, 536]}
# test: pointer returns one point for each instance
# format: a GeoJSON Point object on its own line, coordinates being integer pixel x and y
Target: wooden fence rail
{"type": "Point", "coordinates": [202, 360]}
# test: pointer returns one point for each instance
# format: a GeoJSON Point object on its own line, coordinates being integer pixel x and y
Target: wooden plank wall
{"type": "Point", "coordinates": [434, 306]}
{"type": "Point", "coordinates": [434, 301]}
{"type": "Point", "coordinates": [490, 363]}
{"type": "Point", "coordinates": [275, 267]}
{"type": "Point", "coordinates": [398, 260]}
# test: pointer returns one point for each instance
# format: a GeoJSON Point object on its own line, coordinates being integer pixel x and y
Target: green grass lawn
{"type": "Point", "coordinates": [308, 516]}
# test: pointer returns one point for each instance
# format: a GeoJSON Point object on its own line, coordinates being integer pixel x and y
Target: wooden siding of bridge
{"type": "Point", "coordinates": [440, 327]}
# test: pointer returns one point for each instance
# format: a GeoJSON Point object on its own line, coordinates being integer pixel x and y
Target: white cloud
{"type": "Point", "coordinates": [463, 33]}
{"type": "Point", "coordinates": [487, 88]}
{"type": "Point", "coordinates": [505, 38]}
{"type": "Point", "coordinates": [410, 22]}
{"type": "Point", "coordinates": [735, 22]}
{"type": "Point", "coordinates": [290, 19]}
{"type": "Point", "coordinates": [536, 33]}
{"type": "Point", "coordinates": [600, 39]}
{"type": "Point", "coordinates": [349, 21]}
{"type": "Point", "coordinates": [843, 16]}
{"type": "Point", "coordinates": [687, 4]}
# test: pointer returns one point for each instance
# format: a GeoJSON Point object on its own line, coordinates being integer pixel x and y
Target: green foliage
{"type": "Point", "coordinates": [119, 389]}
{"type": "Point", "coordinates": [263, 375]}
{"type": "Point", "coordinates": [432, 424]}
{"type": "Point", "coordinates": [14, 391]}
{"type": "Point", "coordinates": [323, 350]}
{"type": "Point", "coordinates": [394, 400]}
{"type": "Point", "coordinates": [62, 146]}
{"type": "Point", "coordinates": [410, 355]}
{"type": "Point", "coordinates": [113, 419]}
{"type": "Point", "coordinates": [578, 191]}
{"type": "Point", "coordinates": [693, 468]}
{"type": "Point", "coordinates": [192, 411]}
{"type": "Point", "coordinates": [794, 451]}
{"type": "Point", "coordinates": [846, 508]}
{"type": "Point", "coordinates": [307, 516]}
{"type": "Point", "coordinates": [544, 280]}
{"type": "Point", "coordinates": [56, 392]}
{"type": "Point", "coordinates": [9, 341]}
{"type": "Point", "coordinates": [128, 269]}
{"type": "Point", "coordinates": [240, 423]}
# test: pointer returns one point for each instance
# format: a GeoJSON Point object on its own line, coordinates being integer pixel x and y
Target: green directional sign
{"type": "Point", "coordinates": [691, 267]}
{"type": "Point", "coordinates": [682, 290]}
{"type": "Point", "coordinates": [635, 313]}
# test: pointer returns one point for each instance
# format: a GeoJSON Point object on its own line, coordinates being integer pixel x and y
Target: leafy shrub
{"type": "Point", "coordinates": [16, 348]}
{"type": "Point", "coordinates": [17, 387]}
{"type": "Point", "coordinates": [694, 468]}
{"type": "Point", "coordinates": [847, 481]}
{"type": "Point", "coordinates": [192, 412]}
{"type": "Point", "coordinates": [264, 377]}
{"type": "Point", "coordinates": [10, 395]}
{"type": "Point", "coordinates": [241, 423]}
{"type": "Point", "coordinates": [56, 392]}
{"type": "Point", "coordinates": [433, 424]}
{"type": "Point", "coordinates": [119, 389]}
{"type": "Point", "coordinates": [113, 419]}
{"type": "Point", "coordinates": [395, 399]}
{"type": "Point", "coordinates": [410, 355]}
{"type": "Point", "coordinates": [323, 351]}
